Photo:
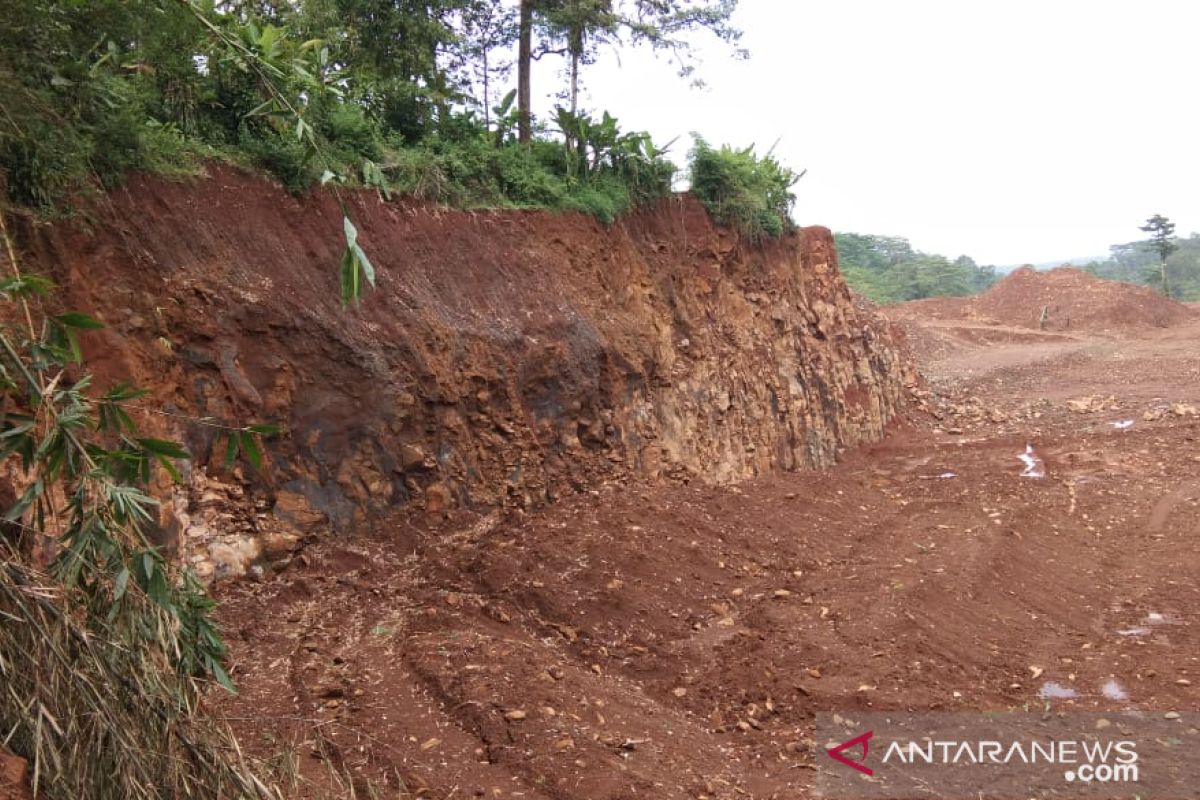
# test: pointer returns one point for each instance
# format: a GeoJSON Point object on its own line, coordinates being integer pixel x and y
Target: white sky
{"type": "Point", "coordinates": [1013, 131]}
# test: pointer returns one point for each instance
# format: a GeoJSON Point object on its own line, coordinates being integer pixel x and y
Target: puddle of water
{"type": "Point", "coordinates": [1052, 690]}
{"type": "Point", "coordinates": [1155, 618]}
{"type": "Point", "coordinates": [1122, 425]}
{"type": "Point", "coordinates": [1113, 690]}
{"type": "Point", "coordinates": [943, 476]}
{"type": "Point", "coordinates": [1034, 467]}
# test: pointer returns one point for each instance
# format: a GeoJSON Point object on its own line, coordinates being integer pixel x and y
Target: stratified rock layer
{"type": "Point", "coordinates": [505, 357]}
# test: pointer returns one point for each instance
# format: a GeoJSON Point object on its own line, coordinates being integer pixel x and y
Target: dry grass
{"type": "Point", "coordinates": [98, 720]}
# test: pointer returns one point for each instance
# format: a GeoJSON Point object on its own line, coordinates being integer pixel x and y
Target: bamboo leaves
{"type": "Point", "coordinates": [245, 441]}
{"type": "Point", "coordinates": [85, 473]}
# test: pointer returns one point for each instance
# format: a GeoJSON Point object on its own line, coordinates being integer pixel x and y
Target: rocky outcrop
{"type": "Point", "coordinates": [504, 359]}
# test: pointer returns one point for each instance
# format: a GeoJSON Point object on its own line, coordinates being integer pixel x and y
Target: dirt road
{"type": "Point", "coordinates": [677, 642]}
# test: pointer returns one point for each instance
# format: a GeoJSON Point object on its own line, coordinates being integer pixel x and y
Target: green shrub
{"type": "Point", "coordinates": [525, 180]}
{"type": "Point", "coordinates": [166, 151]}
{"type": "Point", "coordinates": [44, 160]}
{"type": "Point", "coordinates": [604, 198]}
{"type": "Point", "coordinates": [281, 155]}
{"type": "Point", "coordinates": [751, 193]}
{"type": "Point", "coordinates": [348, 130]}
{"type": "Point", "coordinates": [648, 182]}
{"type": "Point", "coordinates": [116, 145]}
{"type": "Point", "coordinates": [420, 173]}
{"type": "Point", "coordinates": [40, 166]}
{"type": "Point", "coordinates": [471, 171]}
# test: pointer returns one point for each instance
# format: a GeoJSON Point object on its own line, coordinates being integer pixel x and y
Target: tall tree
{"type": "Point", "coordinates": [583, 25]}
{"type": "Point", "coordinates": [396, 53]}
{"type": "Point", "coordinates": [524, 68]}
{"type": "Point", "coordinates": [1162, 242]}
{"type": "Point", "coordinates": [664, 25]}
{"type": "Point", "coordinates": [487, 26]}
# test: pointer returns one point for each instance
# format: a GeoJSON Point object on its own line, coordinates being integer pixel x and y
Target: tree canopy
{"type": "Point", "coordinates": [1162, 242]}
{"type": "Point", "coordinates": [886, 269]}
{"type": "Point", "coordinates": [1164, 261]}
{"type": "Point", "coordinates": [424, 98]}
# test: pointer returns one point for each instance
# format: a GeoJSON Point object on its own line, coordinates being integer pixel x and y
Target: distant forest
{"type": "Point", "coordinates": [886, 269]}
{"type": "Point", "coordinates": [1134, 262]}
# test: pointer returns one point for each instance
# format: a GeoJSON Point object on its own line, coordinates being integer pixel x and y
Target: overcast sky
{"type": "Point", "coordinates": [1011, 131]}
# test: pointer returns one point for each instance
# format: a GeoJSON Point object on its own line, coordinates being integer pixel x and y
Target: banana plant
{"type": "Point", "coordinates": [594, 147]}
{"type": "Point", "coordinates": [506, 117]}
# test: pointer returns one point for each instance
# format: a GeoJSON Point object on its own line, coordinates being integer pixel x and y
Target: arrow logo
{"type": "Point", "coordinates": [858, 741]}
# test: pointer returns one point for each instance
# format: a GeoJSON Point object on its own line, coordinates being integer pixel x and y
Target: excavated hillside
{"type": "Point", "coordinates": [658, 628]}
{"type": "Point", "coordinates": [506, 358]}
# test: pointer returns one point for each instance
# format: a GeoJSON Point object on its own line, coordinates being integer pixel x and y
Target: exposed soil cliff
{"type": "Point", "coordinates": [506, 357]}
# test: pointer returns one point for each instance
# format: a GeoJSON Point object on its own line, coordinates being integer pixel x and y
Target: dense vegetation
{"type": "Point", "coordinates": [751, 193]}
{"type": "Point", "coordinates": [407, 97]}
{"type": "Point", "coordinates": [1141, 263]}
{"type": "Point", "coordinates": [886, 269]}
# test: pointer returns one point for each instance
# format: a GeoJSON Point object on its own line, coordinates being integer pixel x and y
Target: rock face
{"type": "Point", "coordinates": [505, 357]}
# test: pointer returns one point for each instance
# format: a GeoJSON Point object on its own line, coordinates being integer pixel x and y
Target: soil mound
{"type": "Point", "coordinates": [1075, 300]}
{"type": "Point", "coordinates": [938, 308]}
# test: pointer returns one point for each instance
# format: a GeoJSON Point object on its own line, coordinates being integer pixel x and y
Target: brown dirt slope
{"type": "Point", "coordinates": [14, 777]}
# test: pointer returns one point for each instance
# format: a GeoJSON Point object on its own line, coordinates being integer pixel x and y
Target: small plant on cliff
{"type": "Point", "coordinates": [751, 193]}
{"type": "Point", "coordinates": [105, 643]}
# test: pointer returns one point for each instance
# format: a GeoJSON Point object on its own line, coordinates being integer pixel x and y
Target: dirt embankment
{"type": "Point", "coordinates": [506, 358]}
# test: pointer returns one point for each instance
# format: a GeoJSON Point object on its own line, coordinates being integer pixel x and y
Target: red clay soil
{"type": "Point", "coordinates": [932, 308]}
{"type": "Point", "coordinates": [1074, 300]}
{"type": "Point", "coordinates": [676, 642]}
{"type": "Point", "coordinates": [14, 777]}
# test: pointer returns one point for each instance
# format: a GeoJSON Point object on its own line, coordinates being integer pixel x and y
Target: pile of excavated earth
{"type": "Point", "coordinates": [1062, 299]}
{"type": "Point", "coordinates": [1033, 308]}
{"type": "Point", "coordinates": [630, 544]}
